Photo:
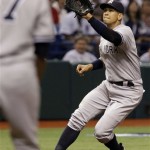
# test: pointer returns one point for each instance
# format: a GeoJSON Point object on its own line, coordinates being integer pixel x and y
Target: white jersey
{"type": "Point", "coordinates": [23, 23]}
{"type": "Point", "coordinates": [121, 62]}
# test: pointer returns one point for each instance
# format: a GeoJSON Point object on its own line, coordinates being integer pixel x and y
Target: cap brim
{"type": "Point", "coordinates": [103, 6]}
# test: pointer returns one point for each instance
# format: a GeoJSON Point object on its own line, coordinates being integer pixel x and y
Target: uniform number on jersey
{"type": "Point", "coordinates": [11, 11]}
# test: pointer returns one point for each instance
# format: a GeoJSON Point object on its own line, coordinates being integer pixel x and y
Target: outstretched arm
{"type": "Point", "coordinates": [105, 32]}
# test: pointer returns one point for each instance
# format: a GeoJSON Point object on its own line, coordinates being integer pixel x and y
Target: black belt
{"type": "Point", "coordinates": [122, 83]}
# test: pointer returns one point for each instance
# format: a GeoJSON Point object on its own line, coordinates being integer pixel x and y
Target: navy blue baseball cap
{"type": "Point", "coordinates": [113, 4]}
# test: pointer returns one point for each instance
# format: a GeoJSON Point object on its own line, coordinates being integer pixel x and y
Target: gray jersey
{"type": "Point", "coordinates": [122, 62]}
{"type": "Point", "coordinates": [33, 17]}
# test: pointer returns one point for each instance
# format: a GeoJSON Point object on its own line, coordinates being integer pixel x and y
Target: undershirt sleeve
{"type": "Point", "coordinates": [105, 32]}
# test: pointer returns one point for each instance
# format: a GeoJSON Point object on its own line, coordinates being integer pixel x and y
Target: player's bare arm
{"type": "Point", "coordinates": [87, 16]}
{"type": "Point", "coordinates": [81, 69]}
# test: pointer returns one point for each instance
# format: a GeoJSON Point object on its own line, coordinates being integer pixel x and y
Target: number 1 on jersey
{"type": "Point", "coordinates": [9, 15]}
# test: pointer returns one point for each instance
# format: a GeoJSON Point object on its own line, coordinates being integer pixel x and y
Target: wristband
{"type": "Point", "coordinates": [98, 64]}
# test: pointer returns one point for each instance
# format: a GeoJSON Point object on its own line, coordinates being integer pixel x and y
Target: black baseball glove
{"type": "Point", "coordinates": [80, 7]}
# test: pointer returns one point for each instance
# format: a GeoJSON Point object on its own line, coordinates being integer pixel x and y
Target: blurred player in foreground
{"type": "Point", "coordinates": [24, 25]}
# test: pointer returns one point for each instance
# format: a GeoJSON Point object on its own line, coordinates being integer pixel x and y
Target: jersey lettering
{"type": "Point", "coordinates": [11, 11]}
{"type": "Point", "coordinates": [110, 49]}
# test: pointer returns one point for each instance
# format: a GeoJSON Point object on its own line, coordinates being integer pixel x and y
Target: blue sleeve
{"type": "Point", "coordinates": [105, 32]}
{"type": "Point", "coordinates": [97, 64]}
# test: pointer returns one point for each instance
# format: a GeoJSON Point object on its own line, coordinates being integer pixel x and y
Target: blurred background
{"type": "Point", "coordinates": [77, 42]}
{"type": "Point", "coordinates": [67, 27]}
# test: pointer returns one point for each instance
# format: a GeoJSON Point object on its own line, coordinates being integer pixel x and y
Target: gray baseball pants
{"type": "Point", "coordinates": [19, 102]}
{"type": "Point", "coordinates": [116, 101]}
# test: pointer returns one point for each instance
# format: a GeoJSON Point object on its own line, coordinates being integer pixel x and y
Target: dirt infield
{"type": "Point", "coordinates": [62, 123]}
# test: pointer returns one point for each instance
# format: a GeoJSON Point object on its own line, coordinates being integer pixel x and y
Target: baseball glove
{"type": "Point", "coordinates": [80, 7]}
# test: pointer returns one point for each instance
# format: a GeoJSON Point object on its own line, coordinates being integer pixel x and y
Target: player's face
{"type": "Point", "coordinates": [111, 16]}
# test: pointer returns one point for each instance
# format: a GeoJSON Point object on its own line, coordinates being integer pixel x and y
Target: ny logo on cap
{"type": "Point", "coordinates": [111, 1]}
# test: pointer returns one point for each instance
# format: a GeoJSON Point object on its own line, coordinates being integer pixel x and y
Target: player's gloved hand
{"type": "Point", "coordinates": [80, 7]}
{"type": "Point", "coordinates": [87, 16]}
{"type": "Point", "coordinates": [81, 69]}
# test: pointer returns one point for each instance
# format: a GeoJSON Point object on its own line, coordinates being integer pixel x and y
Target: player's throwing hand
{"type": "Point", "coordinates": [81, 69]}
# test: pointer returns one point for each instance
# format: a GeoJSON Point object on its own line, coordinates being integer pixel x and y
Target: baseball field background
{"type": "Point", "coordinates": [62, 90]}
{"type": "Point", "coordinates": [50, 131]}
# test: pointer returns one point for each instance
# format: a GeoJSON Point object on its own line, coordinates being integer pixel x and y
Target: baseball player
{"type": "Point", "coordinates": [122, 90]}
{"type": "Point", "coordinates": [24, 24]}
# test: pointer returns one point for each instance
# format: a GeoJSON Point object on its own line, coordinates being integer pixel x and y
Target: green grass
{"type": "Point", "coordinates": [86, 141]}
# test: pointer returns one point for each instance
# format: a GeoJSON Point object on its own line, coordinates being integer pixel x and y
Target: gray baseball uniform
{"type": "Point", "coordinates": [22, 22]}
{"type": "Point", "coordinates": [122, 64]}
